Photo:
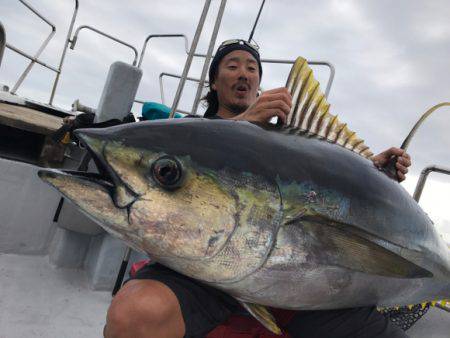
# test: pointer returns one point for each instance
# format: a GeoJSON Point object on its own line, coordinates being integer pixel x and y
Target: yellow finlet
{"type": "Point", "coordinates": [309, 113]}
{"type": "Point", "coordinates": [263, 315]}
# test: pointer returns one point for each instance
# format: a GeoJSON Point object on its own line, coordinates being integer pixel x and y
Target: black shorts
{"type": "Point", "coordinates": [204, 308]}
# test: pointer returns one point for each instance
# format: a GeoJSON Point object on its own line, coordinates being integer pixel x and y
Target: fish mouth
{"type": "Point", "coordinates": [90, 191]}
{"type": "Point", "coordinates": [92, 194]}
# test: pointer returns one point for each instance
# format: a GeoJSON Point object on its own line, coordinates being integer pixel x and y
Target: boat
{"type": "Point", "coordinates": [58, 268]}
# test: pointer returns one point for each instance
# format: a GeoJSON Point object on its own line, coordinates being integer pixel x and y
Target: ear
{"type": "Point", "coordinates": [213, 86]}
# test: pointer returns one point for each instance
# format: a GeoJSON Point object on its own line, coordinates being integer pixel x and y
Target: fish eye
{"type": "Point", "coordinates": [167, 172]}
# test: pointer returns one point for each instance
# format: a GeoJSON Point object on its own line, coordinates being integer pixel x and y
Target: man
{"type": "Point", "coordinates": [162, 303]}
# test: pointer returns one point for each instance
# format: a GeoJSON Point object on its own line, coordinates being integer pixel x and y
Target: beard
{"type": "Point", "coordinates": [238, 108]}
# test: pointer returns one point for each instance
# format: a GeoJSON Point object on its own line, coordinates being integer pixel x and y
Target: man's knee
{"type": "Point", "coordinates": [143, 306]}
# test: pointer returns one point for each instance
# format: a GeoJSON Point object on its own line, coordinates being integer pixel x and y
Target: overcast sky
{"type": "Point", "coordinates": [392, 61]}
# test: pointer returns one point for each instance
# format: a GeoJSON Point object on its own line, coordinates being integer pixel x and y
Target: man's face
{"type": "Point", "coordinates": [237, 81]}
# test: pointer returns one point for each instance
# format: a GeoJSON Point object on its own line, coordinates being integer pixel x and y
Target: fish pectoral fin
{"type": "Point", "coordinates": [263, 315]}
{"type": "Point", "coordinates": [340, 245]}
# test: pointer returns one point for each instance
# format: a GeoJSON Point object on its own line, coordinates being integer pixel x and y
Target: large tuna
{"type": "Point", "coordinates": [272, 216]}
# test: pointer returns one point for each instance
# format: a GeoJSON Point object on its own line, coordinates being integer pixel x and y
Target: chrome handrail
{"type": "Point", "coordinates": [39, 51]}
{"type": "Point", "coordinates": [311, 62]}
{"type": "Point", "coordinates": [174, 76]}
{"type": "Point", "coordinates": [187, 65]}
{"type": "Point", "coordinates": [75, 39]}
{"type": "Point", "coordinates": [423, 177]}
{"type": "Point", "coordinates": [63, 55]}
{"type": "Point", "coordinates": [151, 36]}
{"type": "Point", "coordinates": [31, 57]}
{"type": "Point", "coordinates": [209, 53]}
{"type": "Point", "coordinates": [35, 59]}
{"type": "Point", "coordinates": [37, 13]}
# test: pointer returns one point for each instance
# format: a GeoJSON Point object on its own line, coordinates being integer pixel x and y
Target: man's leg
{"type": "Point", "coordinates": [357, 322]}
{"type": "Point", "coordinates": [145, 308]}
{"type": "Point", "coordinates": [159, 302]}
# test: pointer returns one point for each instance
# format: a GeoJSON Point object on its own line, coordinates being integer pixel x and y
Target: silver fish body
{"type": "Point", "coordinates": [271, 218]}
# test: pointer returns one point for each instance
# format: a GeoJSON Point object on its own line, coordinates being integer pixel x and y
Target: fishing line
{"type": "Point", "coordinates": [256, 22]}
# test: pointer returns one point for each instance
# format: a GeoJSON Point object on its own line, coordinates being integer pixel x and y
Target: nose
{"type": "Point", "coordinates": [243, 73]}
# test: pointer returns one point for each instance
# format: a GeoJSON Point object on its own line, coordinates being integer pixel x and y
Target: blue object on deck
{"type": "Point", "coordinates": [156, 111]}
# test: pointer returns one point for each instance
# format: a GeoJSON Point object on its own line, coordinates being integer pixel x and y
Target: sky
{"type": "Point", "coordinates": [391, 58]}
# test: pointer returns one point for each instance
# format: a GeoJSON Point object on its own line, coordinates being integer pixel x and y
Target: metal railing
{"type": "Point", "coordinates": [318, 63]}
{"type": "Point", "coordinates": [161, 84]}
{"type": "Point", "coordinates": [190, 57]}
{"type": "Point", "coordinates": [63, 55]}
{"type": "Point", "coordinates": [208, 56]}
{"type": "Point", "coordinates": [423, 178]}
{"type": "Point", "coordinates": [191, 53]}
{"type": "Point", "coordinates": [34, 58]}
{"type": "Point", "coordinates": [311, 62]}
{"type": "Point", "coordinates": [75, 39]}
{"type": "Point", "coordinates": [152, 36]}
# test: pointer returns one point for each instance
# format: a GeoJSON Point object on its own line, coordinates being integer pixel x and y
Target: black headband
{"type": "Point", "coordinates": [228, 47]}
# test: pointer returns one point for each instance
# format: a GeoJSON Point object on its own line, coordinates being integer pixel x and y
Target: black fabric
{"type": "Point", "coordinates": [202, 306]}
{"type": "Point", "coordinates": [356, 322]}
{"type": "Point", "coordinates": [86, 120]}
{"type": "Point", "coordinates": [80, 121]}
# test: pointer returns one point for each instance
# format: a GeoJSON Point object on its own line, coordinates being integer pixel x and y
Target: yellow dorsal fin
{"type": "Point", "coordinates": [310, 111]}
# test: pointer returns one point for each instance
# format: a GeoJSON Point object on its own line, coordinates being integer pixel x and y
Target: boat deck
{"type": "Point", "coordinates": [38, 300]}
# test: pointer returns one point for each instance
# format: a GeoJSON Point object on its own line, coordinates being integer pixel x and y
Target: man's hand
{"type": "Point", "coordinates": [271, 103]}
{"type": "Point", "coordinates": [402, 164]}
